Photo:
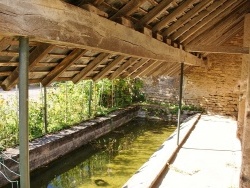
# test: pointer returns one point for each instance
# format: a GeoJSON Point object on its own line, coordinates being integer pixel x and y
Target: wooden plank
{"type": "Point", "coordinates": [108, 68]}
{"type": "Point", "coordinates": [166, 67]}
{"type": "Point", "coordinates": [154, 69]}
{"type": "Point", "coordinates": [202, 18]}
{"type": "Point", "coordinates": [134, 68]}
{"type": "Point", "coordinates": [9, 53]}
{"type": "Point", "coordinates": [186, 18]}
{"type": "Point", "coordinates": [45, 64]}
{"type": "Point", "coordinates": [231, 33]}
{"type": "Point", "coordinates": [169, 18]}
{"type": "Point", "coordinates": [207, 22]}
{"type": "Point", "coordinates": [63, 66]}
{"type": "Point", "coordinates": [217, 29]}
{"type": "Point", "coordinates": [98, 2]}
{"type": "Point", "coordinates": [122, 68]}
{"type": "Point", "coordinates": [128, 8]}
{"type": "Point", "coordinates": [173, 68]}
{"type": "Point", "coordinates": [5, 73]}
{"type": "Point", "coordinates": [218, 49]}
{"type": "Point", "coordinates": [163, 5]}
{"type": "Point", "coordinates": [70, 26]}
{"type": "Point", "coordinates": [94, 10]}
{"type": "Point", "coordinates": [9, 64]}
{"type": "Point", "coordinates": [90, 67]}
{"type": "Point", "coordinates": [5, 43]}
{"type": "Point", "coordinates": [144, 68]}
{"type": "Point", "coordinates": [35, 57]}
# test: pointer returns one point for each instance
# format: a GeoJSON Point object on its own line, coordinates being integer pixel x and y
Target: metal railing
{"type": "Point", "coordinates": [6, 171]}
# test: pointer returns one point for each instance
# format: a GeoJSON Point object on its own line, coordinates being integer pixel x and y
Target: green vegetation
{"type": "Point", "coordinates": [67, 104]}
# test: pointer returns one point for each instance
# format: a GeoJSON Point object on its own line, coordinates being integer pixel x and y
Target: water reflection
{"type": "Point", "coordinates": [108, 161]}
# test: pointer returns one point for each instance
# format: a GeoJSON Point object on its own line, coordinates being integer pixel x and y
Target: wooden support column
{"type": "Point", "coordinates": [245, 169]}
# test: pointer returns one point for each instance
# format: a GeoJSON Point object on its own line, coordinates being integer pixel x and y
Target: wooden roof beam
{"type": "Point", "coordinates": [212, 33]}
{"type": "Point", "coordinates": [150, 72]}
{"type": "Point", "coordinates": [5, 43]}
{"type": "Point", "coordinates": [90, 67]}
{"type": "Point", "coordinates": [108, 68]}
{"type": "Point", "coordinates": [207, 22]}
{"type": "Point", "coordinates": [160, 71]}
{"type": "Point", "coordinates": [163, 5]}
{"type": "Point", "coordinates": [35, 57]}
{"type": "Point", "coordinates": [144, 68]}
{"type": "Point", "coordinates": [122, 68]}
{"type": "Point", "coordinates": [169, 18]}
{"type": "Point", "coordinates": [203, 15]}
{"type": "Point", "coordinates": [128, 9]}
{"type": "Point", "coordinates": [231, 33]}
{"type": "Point", "coordinates": [133, 69]}
{"type": "Point", "coordinates": [63, 66]}
{"type": "Point", "coordinates": [70, 26]}
{"type": "Point", "coordinates": [186, 18]}
{"type": "Point", "coordinates": [218, 49]}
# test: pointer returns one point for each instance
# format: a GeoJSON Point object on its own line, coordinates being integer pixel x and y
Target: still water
{"type": "Point", "coordinates": [107, 162]}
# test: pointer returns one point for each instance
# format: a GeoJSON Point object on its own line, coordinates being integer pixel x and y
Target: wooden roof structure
{"type": "Point", "coordinates": [95, 39]}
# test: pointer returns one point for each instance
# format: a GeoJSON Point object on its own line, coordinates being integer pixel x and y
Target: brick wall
{"type": "Point", "coordinates": [162, 89]}
{"type": "Point", "coordinates": [215, 88]}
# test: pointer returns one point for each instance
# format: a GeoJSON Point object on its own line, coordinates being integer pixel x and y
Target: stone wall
{"type": "Point", "coordinates": [162, 89]}
{"type": "Point", "coordinates": [215, 88]}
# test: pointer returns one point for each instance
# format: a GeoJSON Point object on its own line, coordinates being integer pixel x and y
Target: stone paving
{"type": "Point", "coordinates": [210, 158]}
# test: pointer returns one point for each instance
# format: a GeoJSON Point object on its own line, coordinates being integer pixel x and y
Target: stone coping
{"type": "Point", "coordinates": [150, 171]}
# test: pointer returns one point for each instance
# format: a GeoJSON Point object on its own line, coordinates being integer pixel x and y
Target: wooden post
{"type": "Point", "coordinates": [245, 169]}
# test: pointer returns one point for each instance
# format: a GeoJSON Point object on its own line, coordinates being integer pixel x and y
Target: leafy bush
{"type": "Point", "coordinates": [67, 104]}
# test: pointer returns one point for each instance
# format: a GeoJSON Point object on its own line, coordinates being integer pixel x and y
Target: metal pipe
{"type": "Point", "coordinates": [180, 103]}
{"type": "Point", "coordinates": [45, 110]}
{"type": "Point", "coordinates": [23, 112]}
{"type": "Point", "coordinates": [90, 97]}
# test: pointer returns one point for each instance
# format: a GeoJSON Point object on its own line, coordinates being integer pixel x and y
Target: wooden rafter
{"type": "Point", "coordinates": [63, 66]}
{"type": "Point", "coordinates": [108, 68]}
{"type": "Point", "coordinates": [162, 69]}
{"type": "Point", "coordinates": [98, 2]}
{"type": "Point", "coordinates": [35, 57]}
{"type": "Point", "coordinates": [144, 68]}
{"type": "Point", "coordinates": [163, 5]}
{"type": "Point", "coordinates": [133, 69]}
{"type": "Point", "coordinates": [218, 49]}
{"type": "Point", "coordinates": [5, 42]}
{"type": "Point", "coordinates": [9, 64]}
{"type": "Point", "coordinates": [128, 9]}
{"type": "Point", "coordinates": [151, 71]}
{"type": "Point", "coordinates": [172, 69]}
{"type": "Point", "coordinates": [122, 68]}
{"type": "Point", "coordinates": [90, 67]}
{"type": "Point", "coordinates": [231, 33]}
{"type": "Point", "coordinates": [203, 15]}
{"type": "Point", "coordinates": [5, 73]}
{"type": "Point", "coordinates": [169, 18]}
{"type": "Point", "coordinates": [186, 18]}
{"type": "Point", "coordinates": [206, 22]}
{"type": "Point", "coordinates": [219, 29]}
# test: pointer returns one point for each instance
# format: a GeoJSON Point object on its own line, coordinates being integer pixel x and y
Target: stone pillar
{"type": "Point", "coordinates": [245, 169]}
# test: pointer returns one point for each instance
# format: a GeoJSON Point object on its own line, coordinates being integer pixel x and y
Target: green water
{"type": "Point", "coordinates": [107, 162]}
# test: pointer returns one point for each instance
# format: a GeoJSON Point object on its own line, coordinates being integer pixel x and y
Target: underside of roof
{"type": "Point", "coordinates": [95, 39]}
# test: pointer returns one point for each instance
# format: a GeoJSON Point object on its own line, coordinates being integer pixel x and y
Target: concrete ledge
{"type": "Point", "coordinates": [150, 171]}
{"type": "Point", "coordinates": [50, 147]}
